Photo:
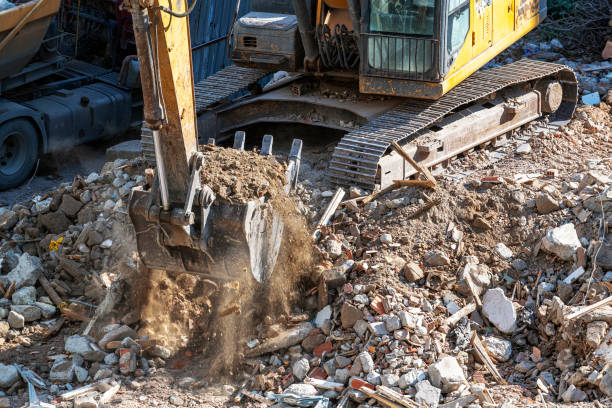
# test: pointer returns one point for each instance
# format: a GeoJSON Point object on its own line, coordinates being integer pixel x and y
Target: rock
{"type": "Point", "coordinates": [27, 271]}
{"type": "Point", "coordinates": [386, 239]}
{"type": "Point", "coordinates": [111, 359]}
{"type": "Point", "coordinates": [70, 206]}
{"type": "Point", "coordinates": [300, 368]}
{"type": "Point", "coordinates": [77, 344]}
{"type": "Point", "coordinates": [24, 296]}
{"type": "Point", "coordinates": [595, 333]}
{"type": "Point", "coordinates": [389, 380]}
{"type": "Point", "coordinates": [361, 327]}
{"type": "Point", "coordinates": [565, 360]}
{"type": "Point", "coordinates": [378, 328]}
{"type": "Point", "coordinates": [15, 320]}
{"type": "Point", "coordinates": [8, 375]}
{"type": "Point", "coordinates": [46, 309]}
{"type": "Point", "coordinates": [8, 219]}
{"type": "Point", "coordinates": [159, 351]}
{"type": "Point", "coordinates": [562, 241]}
{"type": "Point", "coordinates": [411, 377]}
{"type": "Point", "coordinates": [85, 401]}
{"type": "Point", "coordinates": [523, 148]}
{"type": "Point", "coordinates": [54, 222]}
{"type": "Point", "coordinates": [62, 371]}
{"type": "Point", "coordinates": [3, 313]}
{"type": "Point", "coordinates": [446, 374]}
{"type": "Point", "coordinates": [323, 315]}
{"type": "Point", "coordinates": [413, 272]}
{"type": "Point", "coordinates": [103, 373]}
{"type": "Point", "coordinates": [349, 315]}
{"type": "Point", "coordinates": [367, 364]}
{"type": "Point", "coordinates": [373, 378]}
{"type": "Point", "coordinates": [519, 264]}
{"type": "Point", "coordinates": [4, 328]}
{"type": "Point", "coordinates": [118, 334]}
{"type": "Point", "coordinates": [29, 313]}
{"type": "Point", "coordinates": [334, 248]}
{"type": "Point", "coordinates": [342, 375]}
{"type": "Point", "coordinates": [306, 390]}
{"type": "Point", "coordinates": [501, 349]}
{"type": "Point", "coordinates": [392, 323]}
{"type": "Point", "coordinates": [436, 258]}
{"type": "Point", "coordinates": [545, 203]}
{"type": "Point", "coordinates": [503, 251]}
{"type": "Point", "coordinates": [573, 394]}
{"type": "Point", "coordinates": [313, 339]}
{"type": "Point", "coordinates": [499, 310]}
{"type": "Point", "coordinates": [81, 374]}
{"type": "Point", "coordinates": [605, 385]}
{"type": "Point", "coordinates": [427, 394]}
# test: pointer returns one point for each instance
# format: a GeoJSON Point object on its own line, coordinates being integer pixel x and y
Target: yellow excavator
{"type": "Point", "coordinates": [410, 68]}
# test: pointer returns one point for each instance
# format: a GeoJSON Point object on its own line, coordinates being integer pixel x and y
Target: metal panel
{"type": "Point", "coordinates": [210, 22]}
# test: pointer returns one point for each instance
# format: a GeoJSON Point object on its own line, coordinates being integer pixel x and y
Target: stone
{"type": "Point", "coordinates": [605, 385]}
{"type": "Point", "coordinates": [300, 389]}
{"type": "Point", "coordinates": [62, 371]}
{"type": "Point", "coordinates": [411, 378]}
{"type": "Point", "coordinates": [389, 380]}
{"type": "Point", "coordinates": [523, 148]}
{"type": "Point", "coordinates": [77, 344]}
{"type": "Point", "coordinates": [103, 373]}
{"type": "Point", "coordinates": [15, 320]}
{"type": "Point", "coordinates": [118, 334]}
{"type": "Point", "coordinates": [378, 328]}
{"type": "Point", "coordinates": [4, 328]}
{"type": "Point", "coordinates": [70, 206]}
{"type": "Point", "coordinates": [545, 203]}
{"type": "Point", "coordinates": [413, 272]}
{"type": "Point", "coordinates": [503, 251]}
{"type": "Point", "coordinates": [323, 315]}
{"type": "Point", "coordinates": [373, 378]}
{"type": "Point", "coordinates": [334, 248]}
{"type": "Point", "coordinates": [499, 310]}
{"type": "Point", "coordinates": [361, 327]}
{"type": "Point", "coordinates": [500, 349]}
{"type": "Point", "coordinates": [159, 351]}
{"type": "Point", "coordinates": [29, 313]}
{"type": "Point", "coordinates": [81, 374]}
{"type": "Point", "coordinates": [446, 374]}
{"type": "Point", "coordinates": [342, 375]}
{"type": "Point", "coordinates": [392, 323]}
{"type": "Point", "coordinates": [46, 309]}
{"type": "Point", "coordinates": [519, 264]}
{"type": "Point", "coordinates": [24, 296]}
{"type": "Point", "coordinates": [386, 239]}
{"type": "Point", "coordinates": [3, 313]}
{"type": "Point", "coordinates": [562, 241]}
{"type": "Point", "coordinates": [349, 315]}
{"type": "Point", "coordinates": [8, 219]}
{"type": "Point", "coordinates": [436, 258]}
{"type": "Point", "coordinates": [27, 271]}
{"type": "Point", "coordinates": [313, 340]}
{"type": "Point", "coordinates": [573, 394]}
{"type": "Point", "coordinates": [8, 375]}
{"type": "Point", "coordinates": [111, 359]}
{"type": "Point", "coordinates": [300, 368]}
{"type": "Point", "coordinates": [427, 395]}
{"type": "Point", "coordinates": [85, 401]}
{"type": "Point", "coordinates": [595, 333]}
{"type": "Point", "coordinates": [565, 360]}
{"type": "Point", "coordinates": [54, 222]}
{"type": "Point", "coordinates": [367, 364]}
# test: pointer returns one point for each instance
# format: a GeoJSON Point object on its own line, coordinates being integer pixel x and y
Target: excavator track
{"type": "Point", "coordinates": [215, 89]}
{"type": "Point", "coordinates": [355, 160]}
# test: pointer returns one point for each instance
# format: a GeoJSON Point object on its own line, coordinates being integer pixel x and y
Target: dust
{"type": "Point", "coordinates": [211, 320]}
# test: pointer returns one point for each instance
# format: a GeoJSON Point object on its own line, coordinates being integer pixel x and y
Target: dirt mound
{"type": "Point", "coordinates": [240, 176]}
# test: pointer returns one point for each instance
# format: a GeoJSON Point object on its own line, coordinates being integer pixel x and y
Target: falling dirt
{"type": "Point", "coordinates": [211, 322]}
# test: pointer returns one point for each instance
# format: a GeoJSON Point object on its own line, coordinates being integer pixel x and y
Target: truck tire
{"type": "Point", "coordinates": [18, 152]}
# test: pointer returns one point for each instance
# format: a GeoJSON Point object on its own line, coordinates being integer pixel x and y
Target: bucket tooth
{"type": "Point", "coordinates": [239, 138]}
{"type": "Point", "coordinates": [266, 145]}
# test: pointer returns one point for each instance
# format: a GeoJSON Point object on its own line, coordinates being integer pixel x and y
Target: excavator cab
{"type": "Point", "coordinates": [409, 48]}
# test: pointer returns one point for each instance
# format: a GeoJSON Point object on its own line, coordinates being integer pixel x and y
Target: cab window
{"type": "Point", "coordinates": [407, 17]}
{"type": "Point", "coordinates": [458, 24]}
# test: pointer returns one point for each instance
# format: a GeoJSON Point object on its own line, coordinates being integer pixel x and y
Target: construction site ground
{"type": "Point", "coordinates": [516, 235]}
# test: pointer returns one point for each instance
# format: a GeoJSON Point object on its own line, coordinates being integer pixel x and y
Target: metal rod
{"type": "Point", "coordinates": [161, 171]}
{"type": "Point", "coordinates": [307, 31]}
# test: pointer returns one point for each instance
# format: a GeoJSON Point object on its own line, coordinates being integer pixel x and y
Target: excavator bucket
{"type": "Point", "coordinates": [211, 236]}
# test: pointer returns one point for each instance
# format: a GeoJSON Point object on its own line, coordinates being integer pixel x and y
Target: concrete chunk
{"type": "Point", "coordinates": [27, 271]}
{"type": "Point", "coordinates": [446, 374]}
{"type": "Point", "coordinates": [562, 241]}
{"type": "Point", "coordinates": [499, 310]}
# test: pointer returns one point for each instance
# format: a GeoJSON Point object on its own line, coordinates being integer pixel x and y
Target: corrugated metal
{"type": "Point", "coordinates": [210, 22]}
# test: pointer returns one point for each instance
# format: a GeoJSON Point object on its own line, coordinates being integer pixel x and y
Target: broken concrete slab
{"type": "Point", "coordinates": [499, 310]}
{"type": "Point", "coordinates": [562, 241]}
{"type": "Point", "coordinates": [27, 271]}
{"type": "Point", "coordinates": [446, 374]}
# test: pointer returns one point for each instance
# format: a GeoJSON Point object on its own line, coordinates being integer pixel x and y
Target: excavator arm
{"type": "Point", "coordinates": [180, 224]}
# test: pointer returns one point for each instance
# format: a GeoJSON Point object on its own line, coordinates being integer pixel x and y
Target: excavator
{"type": "Point", "coordinates": [411, 73]}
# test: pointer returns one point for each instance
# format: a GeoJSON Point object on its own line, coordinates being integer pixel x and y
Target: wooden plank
{"type": "Point", "coordinates": [417, 166]}
{"type": "Point", "coordinates": [461, 313]}
{"type": "Point", "coordinates": [373, 394]}
{"type": "Point", "coordinates": [413, 183]}
{"type": "Point", "coordinates": [481, 351]}
{"type": "Point", "coordinates": [329, 212]}
{"type": "Point", "coordinates": [588, 309]}
{"type": "Point", "coordinates": [379, 193]}
{"type": "Point", "coordinates": [51, 292]}
{"type": "Point", "coordinates": [396, 397]}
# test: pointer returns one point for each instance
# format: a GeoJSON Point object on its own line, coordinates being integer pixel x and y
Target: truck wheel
{"type": "Point", "coordinates": [18, 152]}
